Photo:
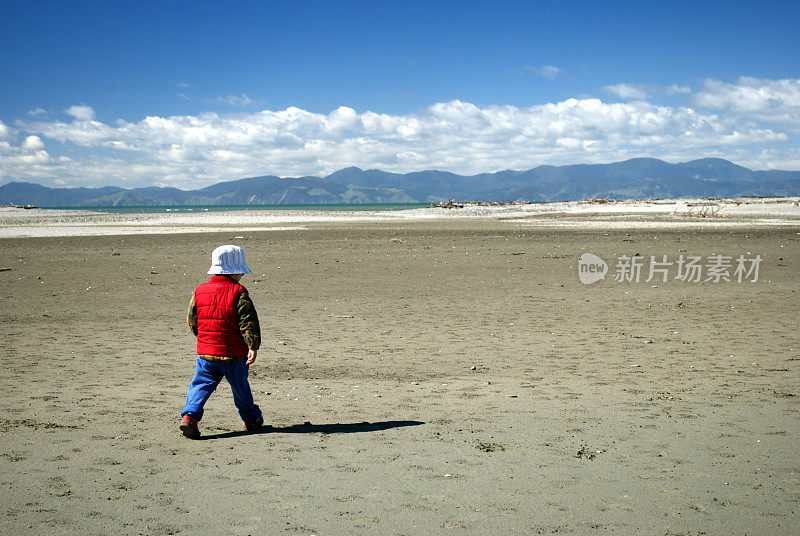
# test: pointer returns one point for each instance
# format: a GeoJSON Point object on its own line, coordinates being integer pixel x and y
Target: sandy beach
{"type": "Point", "coordinates": [589, 214]}
{"type": "Point", "coordinates": [423, 372]}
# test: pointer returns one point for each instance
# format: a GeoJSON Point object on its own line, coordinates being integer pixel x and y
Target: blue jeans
{"type": "Point", "coordinates": [207, 376]}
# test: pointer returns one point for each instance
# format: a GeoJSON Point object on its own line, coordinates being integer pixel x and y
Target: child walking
{"type": "Point", "coordinates": [223, 318]}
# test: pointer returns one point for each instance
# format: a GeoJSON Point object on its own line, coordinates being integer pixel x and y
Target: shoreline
{"type": "Point", "coordinates": [586, 214]}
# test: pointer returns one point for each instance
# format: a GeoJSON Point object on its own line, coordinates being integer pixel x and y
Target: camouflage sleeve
{"type": "Point", "coordinates": [248, 322]}
{"type": "Point", "coordinates": [191, 316]}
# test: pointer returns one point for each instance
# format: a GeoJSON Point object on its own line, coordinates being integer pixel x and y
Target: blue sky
{"type": "Point", "coordinates": [187, 94]}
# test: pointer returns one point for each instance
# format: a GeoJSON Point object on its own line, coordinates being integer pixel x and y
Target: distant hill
{"type": "Point", "coordinates": [636, 178]}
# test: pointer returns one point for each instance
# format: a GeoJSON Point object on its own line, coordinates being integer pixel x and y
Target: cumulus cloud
{"type": "Point", "coordinates": [37, 111]}
{"type": "Point", "coordinates": [86, 133]}
{"type": "Point", "coordinates": [25, 161]}
{"type": "Point", "coordinates": [32, 143]}
{"type": "Point", "coordinates": [772, 100]}
{"type": "Point", "coordinates": [81, 112]}
{"type": "Point", "coordinates": [772, 158]}
{"type": "Point", "coordinates": [457, 136]}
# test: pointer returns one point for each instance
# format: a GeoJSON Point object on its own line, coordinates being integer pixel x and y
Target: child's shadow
{"type": "Point", "coordinates": [308, 428]}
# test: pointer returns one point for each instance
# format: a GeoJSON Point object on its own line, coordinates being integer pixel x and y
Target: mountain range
{"type": "Point", "coordinates": [636, 178]}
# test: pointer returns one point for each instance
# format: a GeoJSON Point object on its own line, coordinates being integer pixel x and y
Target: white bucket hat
{"type": "Point", "coordinates": [228, 260]}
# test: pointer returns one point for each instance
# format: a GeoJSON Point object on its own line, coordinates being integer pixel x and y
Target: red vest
{"type": "Point", "coordinates": [218, 331]}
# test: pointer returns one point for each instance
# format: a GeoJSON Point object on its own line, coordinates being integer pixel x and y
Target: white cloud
{"type": "Point", "coordinates": [771, 100]}
{"type": "Point", "coordinates": [627, 91]}
{"type": "Point", "coordinates": [642, 91]}
{"type": "Point", "coordinates": [773, 159]}
{"type": "Point", "coordinates": [32, 143]}
{"type": "Point", "coordinates": [551, 72]}
{"type": "Point", "coordinates": [236, 100]}
{"type": "Point", "coordinates": [28, 161]}
{"type": "Point", "coordinates": [675, 89]}
{"type": "Point", "coordinates": [81, 112]}
{"type": "Point", "coordinates": [457, 136]}
{"type": "Point", "coordinates": [37, 111]}
{"type": "Point", "coordinates": [84, 133]}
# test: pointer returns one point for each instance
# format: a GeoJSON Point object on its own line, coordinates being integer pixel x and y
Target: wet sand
{"type": "Point", "coordinates": [455, 375]}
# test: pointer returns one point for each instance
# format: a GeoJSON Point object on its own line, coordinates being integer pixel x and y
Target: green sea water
{"type": "Point", "coordinates": [229, 208]}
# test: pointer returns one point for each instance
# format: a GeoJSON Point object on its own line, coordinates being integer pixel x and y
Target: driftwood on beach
{"type": "Point", "coordinates": [19, 206]}
{"type": "Point", "coordinates": [451, 203]}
